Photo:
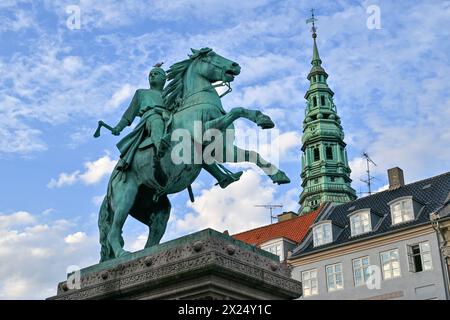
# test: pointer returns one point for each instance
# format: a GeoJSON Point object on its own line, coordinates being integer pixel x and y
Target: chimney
{"type": "Point", "coordinates": [286, 216]}
{"type": "Point", "coordinates": [396, 179]}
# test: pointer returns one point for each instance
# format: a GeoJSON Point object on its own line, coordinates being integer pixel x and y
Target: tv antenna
{"type": "Point", "coordinates": [270, 207]}
{"type": "Point", "coordinates": [369, 177]}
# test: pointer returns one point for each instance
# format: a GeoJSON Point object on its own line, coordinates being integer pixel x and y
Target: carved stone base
{"type": "Point", "coordinates": [203, 265]}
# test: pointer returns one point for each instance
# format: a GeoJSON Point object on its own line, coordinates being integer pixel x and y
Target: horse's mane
{"type": "Point", "coordinates": [173, 92]}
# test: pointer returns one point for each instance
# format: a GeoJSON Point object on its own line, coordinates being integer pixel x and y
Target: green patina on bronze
{"type": "Point", "coordinates": [325, 170]}
{"type": "Point", "coordinates": [146, 173]}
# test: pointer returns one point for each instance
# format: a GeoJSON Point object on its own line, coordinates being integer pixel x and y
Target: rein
{"type": "Point", "coordinates": [208, 88]}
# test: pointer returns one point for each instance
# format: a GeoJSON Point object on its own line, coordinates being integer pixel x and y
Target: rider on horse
{"type": "Point", "coordinates": [148, 104]}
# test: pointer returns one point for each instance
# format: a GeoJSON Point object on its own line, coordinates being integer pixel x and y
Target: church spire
{"type": "Point", "coordinates": [325, 170]}
{"type": "Point", "coordinates": [316, 59]}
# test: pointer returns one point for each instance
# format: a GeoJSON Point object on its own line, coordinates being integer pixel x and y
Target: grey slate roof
{"type": "Point", "coordinates": [432, 193]}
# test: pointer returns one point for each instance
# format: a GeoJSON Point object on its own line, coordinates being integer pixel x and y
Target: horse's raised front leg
{"type": "Point", "coordinates": [124, 194]}
{"type": "Point", "coordinates": [236, 154]}
{"type": "Point", "coordinates": [158, 221]}
{"type": "Point", "coordinates": [256, 116]}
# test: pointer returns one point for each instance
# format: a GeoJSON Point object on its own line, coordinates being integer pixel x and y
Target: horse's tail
{"type": "Point", "coordinates": [105, 220]}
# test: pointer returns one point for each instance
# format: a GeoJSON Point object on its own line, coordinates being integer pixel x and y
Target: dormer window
{"type": "Point", "coordinates": [402, 210]}
{"type": "Point", "coordinates": [360, 222]}
{"type": "Point", "coordinates": [322, 234]}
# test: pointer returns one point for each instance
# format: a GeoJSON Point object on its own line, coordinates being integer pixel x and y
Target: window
{"type": "Point", "coordinates": [390, 264]}
{"type": "Point", "coordinates": [322, 234]}
{"type": "Point", "coordinates": [419, 257]}
{"type": "Point", "coordinates": [335, 279]}
{"type": "Point", "coordinates": [315, 101]}
{"type": "Point", "coordinates": [360, 222]}
{"type": "Point", "coordinates": [402, 211]}
{"type": "Point", "coordinates": [360, 270]}
{"type": "Point", "coordinates": [316, 154]}
{"type": "Point", "coordinates": [309, 283]}
{"type": "Point", "coordinates": [332, 179]}
{"type": "Point", "coordinates": [322, 100]}
{"type": "Point", "coordinates": [329, 152]}
{"type": "Point", "coordinates": [275, 249]}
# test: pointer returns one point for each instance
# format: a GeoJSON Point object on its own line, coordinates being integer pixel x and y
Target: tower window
{"type": "Point", "coordinates": [314, 101]}
{"type": "Point", "coordinates": [316, 154]}
{"type": "Point", "coordinates": [329, 153]}
{"type": "Point", "coordinates": [322, 100]}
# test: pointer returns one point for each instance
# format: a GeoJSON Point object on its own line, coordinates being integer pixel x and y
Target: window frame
{"type": "Point", "coordinates": [357, 213]}
{"type": "Point", "coordinates": [333, 274]}
{"type": "Point", "coordinates": [309, 280]}
{"type": "Point", "coordinates": [391, 270]}
{"type": "Point", "coordinates": [329, 152]}
{"type": "Point", "coordinates": [269, 246]}
{"type": "Point", "coordinates": [363, 269]}
{"type": "Point", "coordinates": [422, 253]}
{"type": "Point", "coordinates": [322, 226]}
{"type": "Point", "coordinates": [316, 151]}
{"type": "Point", "coordinates": [401, 201]}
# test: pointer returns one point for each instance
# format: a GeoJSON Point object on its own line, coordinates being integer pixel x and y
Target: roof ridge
{"type": "Point", "coordinates": [406, 185]}
{"type": "Point", "coordinates": [279, 222]}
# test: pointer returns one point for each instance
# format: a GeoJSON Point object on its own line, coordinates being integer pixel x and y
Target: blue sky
{"type": "Point", "coordinates": [392, 91]}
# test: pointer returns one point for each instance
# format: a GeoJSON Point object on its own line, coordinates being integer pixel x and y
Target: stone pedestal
{"type": "Point", "coordinates": [203, 265]}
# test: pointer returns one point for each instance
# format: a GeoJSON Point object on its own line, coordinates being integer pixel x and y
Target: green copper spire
{"type": "Point", "coordinates": [325, 171]}
{"type": "Point", "coordinates": [316, 59]}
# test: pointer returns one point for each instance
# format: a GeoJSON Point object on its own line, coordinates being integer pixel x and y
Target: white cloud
{"type": "Point", "coordinates": [77, 237]}
{"type": "Point", "coordinates": [72, 64]}
{"type": "Point", "coordinates": [232, 208]}
{"type": "Point", "coordinates": [40, 252]}
{"type": "Point", "coordinates": [16, 219]}
{"type": "Point", "coordinates": [79, 136]}
{"type": "Point", "coordinates": [97, 169]}
{"type": "Point", "coordinates": [124, 93]}
{"type": "Point", "coordinates": [14, 287]}
{"type": "Point", "coordinates": [38, 256]}
{"type": "Point", "coordinates": [64, 179]}
{"type": "Point", "coordinates": [94, 173]}
{"type": "Point", "coordinates": [138, 243]}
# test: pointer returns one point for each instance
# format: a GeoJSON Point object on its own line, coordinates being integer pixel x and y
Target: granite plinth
{"type": "Point", "coordinates": [203, 265]}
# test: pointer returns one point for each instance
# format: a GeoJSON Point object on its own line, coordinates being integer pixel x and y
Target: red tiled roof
{"type": "Point", "coordinates": [294, 229]}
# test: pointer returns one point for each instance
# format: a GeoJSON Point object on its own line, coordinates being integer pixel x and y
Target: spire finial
{"type": "Point", "coordinates": [316, 59]}
{"type": "Point", "coordinates": [312, 20]}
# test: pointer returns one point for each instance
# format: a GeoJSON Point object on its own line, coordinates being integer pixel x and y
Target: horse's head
{"type": "Point", "coordinates": [214, 67]}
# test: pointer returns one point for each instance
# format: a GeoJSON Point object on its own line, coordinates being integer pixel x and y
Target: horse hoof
{"type": "Point", "coordinates": [264, 122]}
{"type": "Point", "coordinates": [233, 177]}
{"type": "Point", "coordinates": [122, 253]}
{"type": "Point", "coordinates": [280, 178]}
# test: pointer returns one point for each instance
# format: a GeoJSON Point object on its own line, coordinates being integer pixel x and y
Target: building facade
{"type": "Point", "coordinates": [283, 237]}
{"type": "Point", "coordinates": [383, 246]}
